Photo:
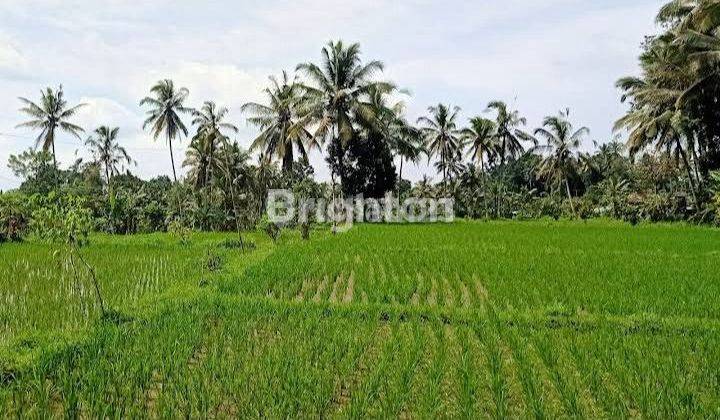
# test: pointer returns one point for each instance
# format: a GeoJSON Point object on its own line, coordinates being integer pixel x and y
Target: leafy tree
{"type": "Point", "coordinates": [107, 151]}
{"type": "Point", "coordinates": [14, 216]}
{"type": "Point", "coordinates": [166, 105]}
{"type": "Point", "coordinates": [371, 171]}
{"type": "Point", "coordinates": [36, 169]}
{"type": "Point", "coordinates": [50, 115]}
{"type": "Point", "coordinates": [66, 222]}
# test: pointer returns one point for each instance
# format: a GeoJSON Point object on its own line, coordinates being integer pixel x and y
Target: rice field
{"type": "Point", "coordinates": [501, 320]}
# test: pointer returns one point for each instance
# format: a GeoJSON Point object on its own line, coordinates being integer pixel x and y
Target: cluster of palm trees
{"type": "Point", "coordinates": [52, 116]}
{"type": "Point", "coordinates": [336, 99]}
{"type": "Point", "coordinates": [340, 98]}
{"type": "Point", "coordinates": [673, 104]}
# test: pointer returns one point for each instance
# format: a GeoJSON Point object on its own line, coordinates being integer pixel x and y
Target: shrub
{"type": "Point", "coordinates": [213, 262]}
{"type": "Point", "coordinates": [271, 228]}
{"type": "Point", "coordinates": [14, 216]}
{"type": "Point", "coordinates": [180, 231]}
{"type": "Point", "coordinates": [60, 218]}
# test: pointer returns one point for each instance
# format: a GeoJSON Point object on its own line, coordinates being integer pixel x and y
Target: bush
{"type": "Point", "coordinates": [271, 228]}
{"type": "Point", "coordinates": [14, 216]}
{"type": "Point", "coordinates": [213, 262]}
{"type": "Point", "coordinates": [60, 218]}
{"type": "Point", "coordinates": [180, 231]}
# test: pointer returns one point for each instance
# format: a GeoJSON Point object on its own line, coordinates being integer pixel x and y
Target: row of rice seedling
{"type": "Point", "coordinates": [453, 320]}
{"type": "Point", "coordinates": [604, 268]}
{"type": "Point", "coordinates": [40, 293]}
{"type": "Point", "coordinates": [237, 357]}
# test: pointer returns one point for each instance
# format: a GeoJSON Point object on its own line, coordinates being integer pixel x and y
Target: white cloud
{"type": "Point", "coordinates": [12, 61]}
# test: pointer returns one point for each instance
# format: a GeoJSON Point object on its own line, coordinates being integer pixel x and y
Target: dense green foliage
{"type": "Point", "coordinates": [532, 319]}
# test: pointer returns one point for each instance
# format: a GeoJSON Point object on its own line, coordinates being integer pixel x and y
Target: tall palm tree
{"type": "Point", "coordinates": [484, 145]}
{"type": "Point", "coordinates": [442, 135]}
{"type": "Point", "coordinates": [166, 106]}
{"type": "Point", "coordinates": [510, 135]}
{"type": "Point", "coordinates": [483, 140]}
{"type": "Point", "coordinates": [283, 121]}
{"type": "Point", "coordinates": [340, 87]}
{"type": "Point", "coordinates": [561, 141]}
{"type": "Point", "coordinates": [339, 90]}
{"type": "Point", "coordinates": [107, 151]}
{"type": "Point", "coordinates": [656, 115]}
{"type": "Point", "coordinates": [211, 132]}
{"type": "Point", "coordinates": [50, 115]}
{"type": "Point", "coordinates": [407, 142]}
{"type": "Point", "coordinates": [198, 161]}
{"type": "Point", "coordinates": [237, 176]}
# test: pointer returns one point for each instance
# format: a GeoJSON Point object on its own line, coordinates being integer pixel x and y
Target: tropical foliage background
{"type": "Point", "coordinates": [661, 166]}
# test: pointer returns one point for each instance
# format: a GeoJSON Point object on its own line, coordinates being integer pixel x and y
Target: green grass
{"type": "Point", "coordinates": [499, 319]}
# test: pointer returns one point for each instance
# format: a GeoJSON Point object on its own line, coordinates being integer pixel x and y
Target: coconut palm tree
{"type": "Point", "coordinates": [508, 132]}
{"type": "Point", "coordinates": [166, 106]}
{"type": "Point", "coordinates": [339, 89]}
{"type": "Point", "coordinates": [483, 140]}
{"type": "Point", "coordinates": [51, 115]}
{"type": "Point", "coordinates": [657, 115]}
{"type": "Point", "coordinates": [107, 151]}
{"type": "Point", "coordinates": [211, 131]}
{"type": "Point", "coordinates": [407, 142]}
{"type": "Point", "coordinates": [283, 121]}
{"type": "Point", "coordinates": [442, 135]}
{"type": "Point", "coordinates": [561, 142]}
{"type": "Point", "coordinates": [198, 161]}
{"type": "Point", "coordinates": [484, 145]}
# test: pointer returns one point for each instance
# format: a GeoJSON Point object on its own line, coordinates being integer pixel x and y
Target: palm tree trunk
{"type": "Point", "coordinates": [484, 183]}
{"type": "Point", "coordinates": [689, 172]}
{"type": "Point", "coordinates": [401, 167]}
{"type": "Point", "coordinates": [502, 152]}
{"type": "Point", "coordinates": [696, 164]}
{"type": "Point", "coordinates": [208, 172]}
{"type": "Point", "coordinates": [567, 187]}
{"type": "Point", "coordinates": [172, 159]}
{"type": "Point", "coordinates": [288, 159]}
{"type": "Point", "coordinates": [442, 158]}
{"type": "Point", "coordinates": [231, 187]}
{"type": "Point", "coordinates": [54, 158]}
{"type": "Point", "coordinates": [57, 174]}
{"type": "Point", "coordinates": [399, 183]}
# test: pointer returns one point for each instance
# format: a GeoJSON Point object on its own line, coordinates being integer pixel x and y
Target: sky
{"type": "Point", "coordinates": [540, 56]}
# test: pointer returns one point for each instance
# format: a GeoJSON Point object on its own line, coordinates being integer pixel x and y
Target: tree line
{"type": "Point", "coordinates": [494, 165]}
